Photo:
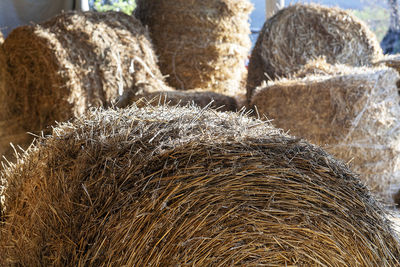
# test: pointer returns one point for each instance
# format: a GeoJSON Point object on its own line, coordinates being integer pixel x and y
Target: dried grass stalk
{"type": "Point", "coordinates": [300, 33]}
{"type": "Point", "coordinates": [201, 44]}
{"type": "Point", "coordinates": [162, 186]}
{"type": "Point", "coordinates": [74, 61]}
{"type": "Point", "coordinates": [354, 112]}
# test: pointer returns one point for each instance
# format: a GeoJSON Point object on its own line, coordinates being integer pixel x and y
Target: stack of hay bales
{"type": "Point", "coordinates": [353, 111]}
{"type": "Point", "coordinates": [164, 186]}
{"type": "Point", "coordinates": [75, 61]}
{"type": "Point", "coordinates": [201, 44]}
{"type": "Point", "coordinates": [300, 33]}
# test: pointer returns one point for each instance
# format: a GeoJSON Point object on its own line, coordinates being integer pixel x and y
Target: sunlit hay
{"type": "Point", "coordinates": [300, 33]}
{"type": "Point", "coordinates": [200, 44]}
{"type": "Point", "coordinates": [161, 186]}
{"type": "Point", "coordinates": [74, 61]}
{"type": "Point", "coordinates": [355, 114]}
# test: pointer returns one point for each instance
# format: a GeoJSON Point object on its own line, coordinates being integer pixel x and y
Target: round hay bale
{"type": "Point", "coordinates": [355, 114]}
{"type": "Point", "coordinates": [74, 61]}
{"type": "Point", "coordinates": [161, 186]}
{"type": "Point", "coordinates": [200, 44]}
{"type": "Point", "coordinates": [300, 33]}
{"type": "Point", "coordinates": [11, 129]}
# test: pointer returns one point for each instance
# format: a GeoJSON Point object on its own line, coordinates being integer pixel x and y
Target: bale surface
{"type": "Point", "coordinates": [162, 186]}
{"type": "Point", "coordinates": [355, 114]}
{"type": "Point", "coordinates": [300, 33]}
{"type": "Point", "coordinates": [198, 97]}
{"type": "Point", "coordinates": [201, 44]}
{"type": "Point", "coordinates": [11, 127]}
{"type": "Point", "coordinates": [392, 61]}
{"type": "Point", "coordinates": [74, 61]}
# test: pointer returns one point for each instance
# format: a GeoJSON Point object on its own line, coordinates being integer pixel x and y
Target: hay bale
{"type": "Point", "coordinates": [354, 113]}
{"type": "Point", "coordinates": [300, 33]}
{"type": "Point", "coordinates": [161, 186]}
{"type": "Point", "coordinates": [200, 44]}
{"type": "Point", "coordinates": [74, 61]}
{"type": "Point", "coordinates": [11, 129]}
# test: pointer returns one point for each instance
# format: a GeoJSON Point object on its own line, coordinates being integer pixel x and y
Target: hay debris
{"type": "Point", "coordinates": [354, 114]}
{"type": "Point", "coordinates": [161, 186]}
{"type": "Point", "coordinates": [200, 44]}
{"type": "Point", "coordinates": [75, 61]}
{"type": "Point", "coordinates": [300, 33]}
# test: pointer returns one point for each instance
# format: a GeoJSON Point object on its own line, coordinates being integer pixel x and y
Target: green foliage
{"type": "Point", "coordinates": [377, 18]}
{"type": "Point", "coordinates": [126, 6]}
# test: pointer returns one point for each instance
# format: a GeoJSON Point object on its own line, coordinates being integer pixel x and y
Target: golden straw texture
{"type": "Point", "coordinates": [300, 33]}
{"type": "Point", "coordinates": [354, 113]}
{"type": "Point", "coordinates": [201, 44]}
{"type": "Point", "coordinates": [72, 62]}
{"type": "Point", "coordinates": [162, 186]}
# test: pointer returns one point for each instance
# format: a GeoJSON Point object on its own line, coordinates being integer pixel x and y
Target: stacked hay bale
{"type": "Point", "coordinates": [300, 33]}
{"type": "Point", "coordinates": [353, 111]}
{"type": "Point", "coordinates": [201, 44]}
{"type": "Point", "coordinates": [164, 186]}
{"type": "Point", "coordinates": [72, 62]}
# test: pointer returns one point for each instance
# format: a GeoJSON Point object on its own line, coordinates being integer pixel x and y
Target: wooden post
{"type": "Point", "coordinates": [272, 6]}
